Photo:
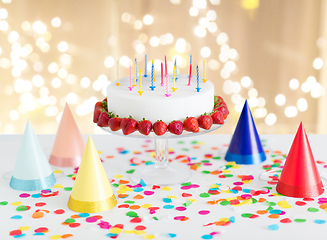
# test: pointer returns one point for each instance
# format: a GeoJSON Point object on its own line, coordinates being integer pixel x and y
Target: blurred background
{"type": "Point", "coordinates": [269, 52]}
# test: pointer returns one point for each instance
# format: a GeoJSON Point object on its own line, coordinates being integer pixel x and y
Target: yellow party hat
{"type": "Point", "coordinates": [92, 191]}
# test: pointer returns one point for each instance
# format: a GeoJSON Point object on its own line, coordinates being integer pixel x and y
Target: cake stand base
{"type": "Point", "coordinates": [173, 174]}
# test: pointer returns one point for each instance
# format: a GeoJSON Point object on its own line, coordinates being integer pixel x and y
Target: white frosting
{"type": "Point", "coordinates": [154, 105]}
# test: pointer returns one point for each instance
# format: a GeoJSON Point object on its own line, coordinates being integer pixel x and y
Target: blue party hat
{"type": "Point", "coordinates": [32, 170]}
{"type": "Point", "coordinates": [245, 146]}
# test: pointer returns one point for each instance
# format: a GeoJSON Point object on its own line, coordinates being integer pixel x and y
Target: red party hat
{"type": "Point", "coordinates": [300, 177]}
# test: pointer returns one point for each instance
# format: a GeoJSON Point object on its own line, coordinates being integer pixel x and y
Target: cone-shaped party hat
{"type": "Point", "coordinates": [92, 191]}
{"type": "Point", "coordinates": [69, 145]}
{"type": "Point", "coordinates": [245, 146]}
{"type": "Point", "coordinates": [32, 170]}
{"type": "Point", "coordinates": [300, 177]}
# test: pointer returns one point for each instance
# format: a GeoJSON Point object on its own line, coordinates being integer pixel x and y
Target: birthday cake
{"type": "Point", "coordinates": [188, 107]}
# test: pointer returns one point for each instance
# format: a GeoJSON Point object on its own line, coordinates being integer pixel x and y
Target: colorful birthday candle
{"type": "Point", "coordinates": [204, 71]}
{"type": "Point", "coordinates": [135, 72]}
{"type": "Point", "coordinates": [145, 65]}
{"type": "Point", "coordinates": [140, 83]}
{"type": "Point", "coordinates": [174, 78]}
{"type": "Point", "coordinates": [175, 65]}
{"type": "Point", "coordinates": [154, 72]}
{"type": "Point", "coordinates": [165, 65]}
{"type": "Point", "coordinates": [152, 75]}
{"type": "Point", "coordinates": [197, 79]}
{"type": "Point", "coordinates": [118, 74]}
{"type": "Point", "coordinates": [161, 74]}
{"type": "Point", "coordinates": [167, 87]}
{"type": "Point", "coordinates": [189, 77]}
{"type": "Point", "coordinates": [130, 79]}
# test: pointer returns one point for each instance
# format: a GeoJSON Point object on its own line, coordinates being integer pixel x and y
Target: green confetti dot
{"type": "Point", "coordinates": [131, 214]}
{"type": "Point", "coordinates": [276, 165]}
{"type": "Point", "coordinates": [273, 155]}
{"type": "Point", "coordinates": [188, 203]}
{"type": "Point", "coordinates": [155, 218]}
{"type": "Point", "coordinates": [130, 171]}
{"type": "Point", "coordinates": [205, 195]}
{"type": "Point", "coordinates": [300, 220]}
{"type": "Point", "coordinates": [128, 201]}
{"type": "Point", "coordinates": [194, 142]}
{"type": "Point", "coordinates": [205, 161]}
{"type": "Point", "coordinates": [3, 203]}
{"type": "Point", "coordinates": [68, 188]}
{"type": "Point", "coordinates": [185, 149]}
{"type": "Point", "coordinates": [186, 184]}
{"type": "Point", "coordinates": [269, 208]}
{"type": "Point", "coordinates": [70, 175]}
{"type": "Point", "coordinates": [247, 215]}
{"type": "Point", "coordinates": [224, 203]}
{"type": "Point", "coordinates": [216, 158]}
{"type": "Point", "coordinates": [180, 142]}
{"type": "Point", "coordinates": [254, 200]}
{"type": "Point", "coordinates": [311, 209]}
{"type": "Point", "coordinates": [228, 175]}
{"type": "Point", "coordinates": [115, 185]}
{"type": "Point", "coordinates": [206, 172]}
{"type": "Point", "coordinates": [21, 208]}
{"type": "Point", "coordinates": [269, 188]}
{"type": "Point", "coordinates": [70, 220]}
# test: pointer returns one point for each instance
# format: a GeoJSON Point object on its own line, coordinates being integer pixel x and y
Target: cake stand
{"type": "Point", "coordinates": [162, 172]}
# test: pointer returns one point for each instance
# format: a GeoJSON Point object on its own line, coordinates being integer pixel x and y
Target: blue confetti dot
{"type": "Point", "coordinates": [17, 217]}
{"type": "Point", "coordinates": [18, 236]}
{"type": "Point", "coordinates": [172, 235]}
{"type": "Point", "coordinates": [193, 158]}
{"type": "Point", "coordinates": [124, 152]}
{"type": "Point", "coordinates": [319, 221]}
{"type": "Point", "coordinates": [246, 190]}
{"type": "Point", "coordinates": [83, 215]}
{"type": "Point", "coordinates": [167, 200]}
{"type": "Point", "coordinates": [138, 189]}
{"type": "Point", "coordinates": [168, 206]}
{"type": "Point", "coordinates": [38, 234]}
{"type": "Point", "coordinates": [37, 195]}
{"type": "Point", "coordinates": [207, 237]}
{"type": "Point", "coordinates": [275, 211]}
{"type": "Point", "coordinates": [111, 235]}
{"type": "Point", "coordinates": [143, 184]}
{"type": "Point", "coordinates": [273, 227]}
{"type": "Point", "coordinates": [232, 219]}
{"type": "Point", "coordinates": [132, 164]}
{"type": "Point", "coordinates": [234, 191]}
{"type": "Point", "coordinates": [149, 163]}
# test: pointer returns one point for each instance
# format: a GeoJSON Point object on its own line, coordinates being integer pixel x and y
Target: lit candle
{"type": "Point", "coordinates": [117, 74]}
{"type": "Point", "coordinates": [204, 71]}
{"type": "Point", "coordinates": [174, 78]}
{"type": "Point", "coordinates": [154, 72]}
{"type": "Point", "coordinates": [152, 75]}
{"type": "Point", "coordinates": [167, 87]}
{"type": "Point", "coordinates": [161, 74]}
{"type": "Point", "coordinates": [165, 65]}
{"type": "Point", "coordinates": [140, 83]}
{"type": "Point", "coordinates": [189, 77]}
{"type": "Point", "coordinates": [134, 83]}
{"type": "Point", "coordinates": [130, 79]}
{"type": "Point", "coordinates": [197, 79]}
{"type": "Point", "coordinates": [145, 65]}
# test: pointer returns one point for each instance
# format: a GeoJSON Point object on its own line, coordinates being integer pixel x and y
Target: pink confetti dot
{"type": "Point", "coordinates": [45, 191]}
{"type": "Point", "coordinates": [181, 208]}
{"type": "Point", "coordinates": [91, 219]}
{"type": "Point", "coordinates": [148, 193]}
{"type": "Point", "coordinates": [238, 183]}
{"type": "Point", "coordinates": [194, 186]}
{"type": "Point", "coordinates": [204, 212]}
{"type": "Point", "coordinates": [185, 187]}
{"type": "Point", "coordinates": [179, 217]}
{"type": "Point", "coordinates": [24, 195]}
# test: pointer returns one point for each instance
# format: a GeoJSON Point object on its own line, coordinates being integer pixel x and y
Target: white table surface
{"type": "Point", "coordinates": [244, 228]}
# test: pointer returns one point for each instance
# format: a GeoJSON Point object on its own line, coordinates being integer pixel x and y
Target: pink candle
{"type": "Point", "coordinates": [161, 74]}
{"type": "Point", "coordinates": [165, 65]}
{"type": "Point", "coordinates": [167, 87]}
{"type": "Point", "coordinates": [130, 79]}
{"type": "Point", "coordinates": [189, 77]}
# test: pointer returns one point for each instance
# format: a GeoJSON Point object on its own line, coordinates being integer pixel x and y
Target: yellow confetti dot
{"type": "Point", "coordinates": [115, 230]}
{"type": "Point", "coordinates": [153, 154]}
{"type": "Point", "coordinates": [125, 188]}
{"type": "Point", "coordinates": [192, 200]}
{"type": "Point", "coordinates": [118, 176]}
{"type": "Point", "coordinates": [55, 237]}
{"type": "Point", "coordinates": [232, 163]}
{"type": "Point", "coordinates": [224, 219]}
{"type": "Point", "coordinates": [16, 203]}
{"type": "Point", "coordinates": [231, 198]}
{"type": "Point", "coordinates": [24, 228]}
{"type": "Point", "coordinates": [146, 205]}
{"type": "Point", "coordinates": [136, 152]}
{"type": "Point", "coordinates": [129, 231]}
{"type": "Point", "coordinates": [284, 204]}
{"type": "Point", "coordinates": [248, 201]}
{"type": "Point", "coordinates": [247, 181]}
{"type": "Point", "coordinates": [57, 171]}
{"type": "Point", "coordinates": [237, 166]}
{"type": "Point", "coordinates": [201, 143]}
{"type": "Point", "coordinates": [226, 171]}
{"type": "Point", "coordinates": [139, 232]}
{"type": "Point", "coordinates": [226, 191]}
{"type": "Point", "coordinates": [99, 152]}
{"type": "Point", "coordinates": [166, 188]}
{"type": "Point", "coordinates": [149, 236]}
{"type": "Point", "coordinates": [170, 150]}
{"type": "Point", "coordinates": [214, 186]}
{"type": "Point", "coordinates": [58, 186]}
{"type": "Point", "coordinates": [170, 197]}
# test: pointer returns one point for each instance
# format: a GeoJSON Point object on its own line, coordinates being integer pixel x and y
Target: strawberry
{"type": "Point", "coordinates": [114, 123]}
{"type": "Point", "coordinates": [97, 111]}
{"type": "Point", "coordinates": [98, 104]}
{"type": "Point", "coordinates": [128, 125]}
{"type": "Point", "coordinates": [176, 127]}
{"type": "Point", "coordinates": [224, 110]}
{"type": "Point", "coordinates": [103, 119]}
{"type": "Point", "coordinates": [190, 124]}
{"type": "Point", "coordinates": [104, 100]}
{"type": "Point", "coordinates": [219, 101]}
{"type": "Point", "coordinates": [144, 127]}
{"type": "Point", "coordinates": [205, 121]}
{"type": "Point", "coordinates": [160, 128]}
{"type": "Point", "coordinates": [217, 117]}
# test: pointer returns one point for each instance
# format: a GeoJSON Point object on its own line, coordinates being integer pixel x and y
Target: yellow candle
{"type": "Point", "coordinates": [174, 79]}
{"type": "Point", "coordinates": [140, 83]}
{"type": "Point", "coordinates": [204, 71]}
{"type": "Point", "coordinates": [118, 73]}
{"type": "Point", "coordinates": [154, 72]}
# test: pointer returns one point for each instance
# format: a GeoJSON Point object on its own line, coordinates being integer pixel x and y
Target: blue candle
{"type": "Point", "coordinates": [136, 68]}
{"type": "Point", "coordinates": [145, 65]}
{"type": "Point", "coordinates": [175, 70]}
{"type": "Point", "coordinates": [197, 79]}
{"type": "Point", "coordinates": [152, 74]}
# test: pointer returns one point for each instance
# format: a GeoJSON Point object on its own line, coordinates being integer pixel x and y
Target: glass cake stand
{"type": "Point", "coordinates": [162, 172]}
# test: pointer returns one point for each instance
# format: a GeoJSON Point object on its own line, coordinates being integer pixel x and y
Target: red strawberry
{"type": "Point", "coordinates": [160, 128]}
{"type": "Point", "coordinates": [104, 100]}
{"type": "Point", "coordinates": [103, 119]}
{"type": "Point", "coordinates": [217, 117]}
{"type": "Point", "coordinates": [224, 110]}
{"type": "Point", "coordinates": [191, 125]}
{"type": "Point", "coordinates": [114, 123]}
{"type": "Point", "coordinates": [97, 111]}
{"type": "Point", "coordinates": [176, 127]}
{"type": "Point", "coordinates": [128, 125]}
{"type": "Point", "coordinates": [145, 127]}
{"type": "Point", "coordinates": [205, 121]}
{"type": "Point", "coordinates": [98, 104]}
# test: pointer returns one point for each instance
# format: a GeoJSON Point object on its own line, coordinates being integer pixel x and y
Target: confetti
{"type": "Point", "coordinates": [16, 217]}
{"type": "Point", "coordinates": [59, 211]}
{"type": "Point", "coordinates": [273, 227]}
{"type": "Point", "coordinates": [204, 212]}
{"type": "Point", "coordinates": [24, 195]}
{"type": "Point", "coordinates": [3, 203]}
{"type": "Point", "coordinates": [300, 220]}
{"type": "Point", "coordinates": [311, 209]}
{"type": "Point", "coordinates": [16, 203]}
{"type": "Point", "coordinates": [318, 221]}
{"type": "Point", "coordinates": [58, 186]}
{"type": "Point", "coordinates": [38, 215]}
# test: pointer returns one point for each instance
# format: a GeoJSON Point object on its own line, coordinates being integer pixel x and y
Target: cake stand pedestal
{"type": "Point", "coordinates": [162, 172]}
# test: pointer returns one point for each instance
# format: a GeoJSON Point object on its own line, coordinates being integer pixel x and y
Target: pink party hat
{"type": "Point", "coordinates": [69, 145]}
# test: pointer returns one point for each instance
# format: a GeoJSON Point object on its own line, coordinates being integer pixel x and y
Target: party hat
{"type": "Point", "coordinates": [92, 191]}
{"type": "Point", "coordinates": [245, 146]}
{"type": "Point", "coordinates": [32, 170]}
{"type": "Point", "coordinates": [300, 177]}
{"type": "Point", "coordinates": [69, 145]}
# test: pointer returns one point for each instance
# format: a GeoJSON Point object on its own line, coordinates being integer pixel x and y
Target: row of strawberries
{"type": "Point", "coordinates": [130, 125]}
